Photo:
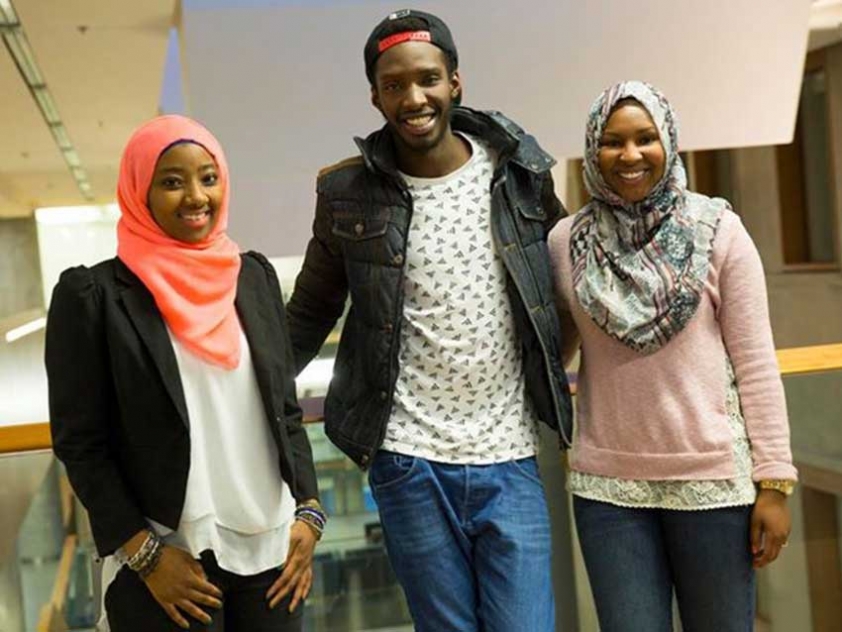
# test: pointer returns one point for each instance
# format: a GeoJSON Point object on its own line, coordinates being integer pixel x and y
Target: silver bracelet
{"type": "Point", "coordinates": [147, 555]}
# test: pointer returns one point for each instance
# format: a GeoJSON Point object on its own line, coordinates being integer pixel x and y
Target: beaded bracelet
{"type": "Point", "coordinates": [317, 531]}
{"type": "Point", "coordinates": [312, 514]}
{"type": "Point", "coordinates": [316, 516]}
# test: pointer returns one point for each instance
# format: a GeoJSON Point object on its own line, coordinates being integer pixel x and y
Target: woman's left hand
{"type": "Point", "coordinates": [297, 574]}
{"type": "Point", "coordinates": [770, 526]}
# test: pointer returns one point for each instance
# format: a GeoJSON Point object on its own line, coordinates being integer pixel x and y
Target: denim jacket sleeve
{"type": "Point", "coordinates": [321, 289]}
{"type": "Point", "coordinates": [553, 208]}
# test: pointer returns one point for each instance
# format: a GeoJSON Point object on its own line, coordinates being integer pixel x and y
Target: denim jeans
{"type": "Point", "coordinates": [636, 557]}
{"type": "Point", "coordinates": [470, 544]}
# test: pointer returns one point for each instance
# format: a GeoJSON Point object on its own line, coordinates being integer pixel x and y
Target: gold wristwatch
{"type": "Point", "coordinates": [783, 486]}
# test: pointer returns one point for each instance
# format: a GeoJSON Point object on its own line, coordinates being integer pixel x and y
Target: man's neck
{"type": "Point", "coordinates": [446, 157]}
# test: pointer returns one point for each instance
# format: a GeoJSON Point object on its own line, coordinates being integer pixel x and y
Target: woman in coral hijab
{"type": "Point", "coordinates": [173, 406]}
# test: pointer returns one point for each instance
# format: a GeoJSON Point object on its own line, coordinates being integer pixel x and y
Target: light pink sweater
{"type": "Point", "coordinates": [662, 416]}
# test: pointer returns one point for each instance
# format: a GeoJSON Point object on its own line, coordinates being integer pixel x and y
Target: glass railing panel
{"type": "Point", "coordinates": [802, 590]}
{"type": "Point", "coordinates": [51, 576]}
{"type": "Point", "coordinates": [815, 412]}
{"type": "Point", "coordinates": [32, 535]}
{"type": "Point", "coordinates": [354, 585]}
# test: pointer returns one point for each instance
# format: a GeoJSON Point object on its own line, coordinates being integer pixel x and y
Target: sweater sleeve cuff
{"type": "Point", "coordinates": [775, 471]}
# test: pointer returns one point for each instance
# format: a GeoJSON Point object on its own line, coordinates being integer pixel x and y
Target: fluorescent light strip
{"type": "Point", "coordinates": [47, 105]}
{"type": "Point", "coordinates": [817, 4]}
{"type": "Point", "coordinates": [15, 39]}
{"type": "Point", "coordinates": [26, 329]}
{"type": "Point", "coordinates": [72, 158]}
{"type": "Point", "coordinates": [22, 54]}
{"type": "Point", "coordinates": [62, 139]}
{"type": "Point", "coordinates": [8, 11]}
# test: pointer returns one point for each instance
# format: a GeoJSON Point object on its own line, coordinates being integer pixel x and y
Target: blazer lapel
{"type": "Point", "coordinates": [144, 314]}
{"type": "Point", "coordinates": [256, 316]}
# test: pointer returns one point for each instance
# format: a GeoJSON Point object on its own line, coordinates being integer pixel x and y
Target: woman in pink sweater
{"type": "Point", "coordinates": [681, 463]}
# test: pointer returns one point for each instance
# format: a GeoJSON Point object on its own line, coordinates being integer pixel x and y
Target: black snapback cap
{"type": "Point", "coordinates": [388, 33]}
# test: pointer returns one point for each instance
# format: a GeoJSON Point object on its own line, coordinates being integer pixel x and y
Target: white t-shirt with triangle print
{"type": "Point", "coordinates": [460, 394]}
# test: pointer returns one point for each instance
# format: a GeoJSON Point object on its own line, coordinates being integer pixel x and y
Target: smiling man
{"type": "Point", "coordinates": [451, 350]}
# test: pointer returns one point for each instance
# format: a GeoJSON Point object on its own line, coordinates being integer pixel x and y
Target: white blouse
{"type": "Point", "coordinates": [237, 504]}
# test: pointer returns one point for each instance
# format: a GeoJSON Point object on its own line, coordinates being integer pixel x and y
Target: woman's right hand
{"type": "Point", "coordinates": [179, 584]}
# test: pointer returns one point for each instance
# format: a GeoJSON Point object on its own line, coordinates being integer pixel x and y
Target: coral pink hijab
{"type": "Point", "coordinates": [194, 285]}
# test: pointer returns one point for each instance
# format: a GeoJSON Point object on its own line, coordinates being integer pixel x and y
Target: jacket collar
{"type": "Point", "coordinates": [144, 314]}
{"type": "Point", "coordinates": [255, 311]}
{"type": "Point", "coordinates": [504, 136]}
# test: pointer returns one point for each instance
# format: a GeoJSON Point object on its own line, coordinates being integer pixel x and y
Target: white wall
{"type": "Point", "coordinates": [20, 278]}
{"type": "Point", "coordinates": [66, 237]}
{"type": "Point", "coordinates": [23, 381]}
{"type": "Point", "coordinates": [282, 83]}
{"type": "Point", "coordinates": [72, 236]}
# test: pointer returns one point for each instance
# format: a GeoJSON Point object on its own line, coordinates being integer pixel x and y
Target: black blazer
{"type": "Point", "coordinates": [117, 411]}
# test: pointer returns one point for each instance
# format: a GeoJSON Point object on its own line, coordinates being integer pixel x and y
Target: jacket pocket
{"type": "Point", "coordinates": [367, 242]}
{"type": "Point", "coordinates": [524, 193]}
{"type": "Point", "coordinates": [358, 227]}
{"type": "Point", "coordinates": [531, 210]}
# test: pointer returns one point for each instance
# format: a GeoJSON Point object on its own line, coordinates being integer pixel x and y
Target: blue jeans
{"type": "Point", "coordinates": [470, 544]}
{"type": "Point", "coordinates": [637, 557]}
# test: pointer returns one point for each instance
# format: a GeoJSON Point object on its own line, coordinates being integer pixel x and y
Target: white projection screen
{"type": "Point", "coordinates": [282, 83]}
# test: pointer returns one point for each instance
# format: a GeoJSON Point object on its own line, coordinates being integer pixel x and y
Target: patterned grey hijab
{"type": "Point", "coordinates": [639, 268]}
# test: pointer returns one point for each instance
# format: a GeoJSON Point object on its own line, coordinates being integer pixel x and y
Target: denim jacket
{"type": "Point", "coordinates": [363, 214]}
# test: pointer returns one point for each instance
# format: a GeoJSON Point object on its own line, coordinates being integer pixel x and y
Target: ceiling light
{"type": "Point", "coordinates": [7, 12]}
{"type": "Point", "coordinates": [47, 105]}
{"type": "Point", "coordinates": [71, 158]}
{"type": "Point", "coordinates": [22, 54]}
{"type": "Point", "coordinates": [60, 134]}
{"type": "Point", "coordinates": [26, 329]}
{"type": "Point", "coordinates": [817, 4]}
{"type": "Point", "coordinates": [16, 42]}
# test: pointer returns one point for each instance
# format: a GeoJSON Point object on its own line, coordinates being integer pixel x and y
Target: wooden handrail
{"type": "Point", "coordinates": [795, 361]}
{"type": "Point", "coordinates": [816, 359]}
{"type": "Point", "coordinates": [25, 437]}
{"type": "Point", "coordinates": [36, 436]}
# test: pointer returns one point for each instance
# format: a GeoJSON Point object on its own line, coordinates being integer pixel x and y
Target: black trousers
{"type": "Point", "coordinates": [132, 608]}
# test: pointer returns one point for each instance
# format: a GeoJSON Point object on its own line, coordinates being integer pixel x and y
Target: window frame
{"type": "Point", "coordinates": [793, 211]}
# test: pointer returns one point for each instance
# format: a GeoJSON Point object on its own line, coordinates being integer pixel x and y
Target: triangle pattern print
{"type": "Point", "coordinates": [460, 395]}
